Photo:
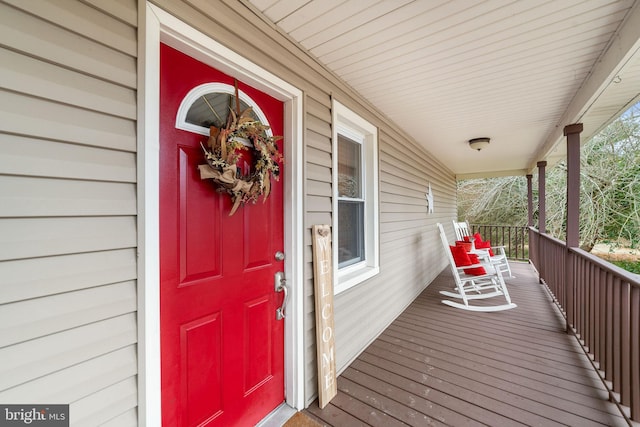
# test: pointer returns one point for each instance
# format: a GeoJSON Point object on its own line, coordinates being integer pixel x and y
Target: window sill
{"type": "Point", "coordinates": [353, 276]}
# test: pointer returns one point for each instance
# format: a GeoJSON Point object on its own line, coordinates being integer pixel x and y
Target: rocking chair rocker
{"type": "Point", "coordinates": [475, 287]}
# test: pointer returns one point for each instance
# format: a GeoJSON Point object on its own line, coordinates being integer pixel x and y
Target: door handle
{"type": "Point", "coordinates": [280, 284]}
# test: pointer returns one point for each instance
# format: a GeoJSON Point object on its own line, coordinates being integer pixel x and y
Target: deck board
{"type": "Point", "coordinates": [437, 365]}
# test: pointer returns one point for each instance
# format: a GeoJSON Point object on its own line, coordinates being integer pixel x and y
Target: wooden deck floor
{"type": "Point", "coordinates": [437, 365]}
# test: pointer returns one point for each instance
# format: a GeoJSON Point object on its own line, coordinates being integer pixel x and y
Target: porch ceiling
{"type": "Point", "coordinates": [448, 71]}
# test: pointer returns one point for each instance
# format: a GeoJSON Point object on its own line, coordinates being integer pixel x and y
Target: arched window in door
{"type": "Point", "coordinates": [209, 105]}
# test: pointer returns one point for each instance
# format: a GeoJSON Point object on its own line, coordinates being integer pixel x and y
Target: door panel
{"type": "Point", "coordinates": [197, 207]}
{"type": "Point", "coordinates": [258, 366]}
{"type": "Point", "coordinates": [222, 347]}
{"type": "Point", "coordinates": [254, 225]}
{"type": "Point", "coordinates": [202, 375]}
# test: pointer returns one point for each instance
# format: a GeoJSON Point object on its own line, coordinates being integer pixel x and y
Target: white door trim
{"type": "Point", "coordinates": [155, 26]}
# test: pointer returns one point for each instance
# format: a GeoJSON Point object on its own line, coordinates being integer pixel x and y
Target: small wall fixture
{"type": "Point", "coordinates": [479, 143]}
{"type": "Point", "coordinates": [429, 196]}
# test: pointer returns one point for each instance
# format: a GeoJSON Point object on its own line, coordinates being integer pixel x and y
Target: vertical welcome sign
{"type": "Point", "coordinates": [323, 289]}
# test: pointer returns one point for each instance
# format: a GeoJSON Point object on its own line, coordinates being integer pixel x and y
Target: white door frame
{"type": "Point", "coordinates": [155, 26]}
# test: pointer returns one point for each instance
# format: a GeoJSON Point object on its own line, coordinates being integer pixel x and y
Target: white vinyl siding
{"type": "Point", "coordinates": [68, 303]}
{"type": "Point", "coordinates": [409, 255]}
{"type": "Point", "coordinates": [317, 211]}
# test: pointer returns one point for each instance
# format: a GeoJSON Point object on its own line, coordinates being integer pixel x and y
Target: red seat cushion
{"type": "Point", "coordinates": [462, 258]}
{"type": "Point", "coordinates": [465, 245]}
{"type": "Point", "coordinates": [475, 271]}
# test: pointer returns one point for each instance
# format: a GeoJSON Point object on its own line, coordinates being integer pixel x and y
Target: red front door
{"type": "Point", "coordinates": [222, 347]}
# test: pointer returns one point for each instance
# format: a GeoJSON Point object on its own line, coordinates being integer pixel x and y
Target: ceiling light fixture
{"type": "Point", "coordinates": [479, 143]}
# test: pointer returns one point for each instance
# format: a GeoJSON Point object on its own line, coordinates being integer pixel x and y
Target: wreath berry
{"type": "Point", "coordinates": [226, 149]}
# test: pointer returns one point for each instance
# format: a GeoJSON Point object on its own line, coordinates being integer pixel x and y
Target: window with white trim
{"type": "Point", "coordinates": [355, 198]}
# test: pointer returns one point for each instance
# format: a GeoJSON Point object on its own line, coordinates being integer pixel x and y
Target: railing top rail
{"type": "Point", "coordinates": [550, 237]}
{"type": "Point", "coordinates": [627, 276]}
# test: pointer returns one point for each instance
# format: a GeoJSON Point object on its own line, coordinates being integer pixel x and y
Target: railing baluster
{"type": "Point", "coordinates": [576, 295]}
{"type": "Point", "coordinates": [588, 270]}
{"type": "Point", "coordinates": [586, 286]}
{"type": "Point", "coordinates": [634, 332]}
{"type": "Point", "coordinates": [617, 357]}
{"type": "Point", "coordinates": [625, 349]}
{"type": "Point", "coordinates": [609, 330]}
{"type": "Point", "coordinates": [596, 316]}
{"type": "Point", "coordinates": [602, 310]}
{"type": "Point", "coordinates": [560, 275]}
{"type": "Point", "coordinates": [593, 346]}
{"type": "Point", "coordinates": [561, 254]}
{"type": "Point", "coordinates": [590, 283]}
{"type": "Point", "coordinates": [580, 302]}
{"type": "Point", "coordinates": [504, 229]}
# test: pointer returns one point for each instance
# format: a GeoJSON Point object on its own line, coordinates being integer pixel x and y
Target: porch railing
{"type": "Point", "coordinates": [601, 305]}
{"type": "Point", "coordinates": [514, 239]}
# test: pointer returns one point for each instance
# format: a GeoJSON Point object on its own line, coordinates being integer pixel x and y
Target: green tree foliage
{"type": "Point", "coordinates": [609, 190]}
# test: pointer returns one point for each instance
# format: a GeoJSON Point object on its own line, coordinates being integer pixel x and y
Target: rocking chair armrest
{"type": "Point", "coordinates": [464, 267]}
{"type": "Point", "coordinates": [482, 253]}
{"type": "Point", "coordinates": [499, 251]}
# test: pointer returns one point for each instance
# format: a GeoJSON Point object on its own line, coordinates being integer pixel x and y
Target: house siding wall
{"type": "Point", "coordinates": [68, 191]}
{"type": "Point", "coordinates": [68, 205]}
{"type": "Point", "coordinates": [410, 254]}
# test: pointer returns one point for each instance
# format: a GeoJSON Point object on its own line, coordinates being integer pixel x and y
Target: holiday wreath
{"type": "Point", "coordinates": [226, 149]}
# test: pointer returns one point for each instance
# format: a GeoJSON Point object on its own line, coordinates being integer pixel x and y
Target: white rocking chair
{"type": "Point", "coordinates": [470, 287]}
{"type": "Point", "coordinates": [499, 258]}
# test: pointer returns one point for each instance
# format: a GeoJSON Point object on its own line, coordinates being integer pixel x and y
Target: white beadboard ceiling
{"type": "Point", "coordinates": [448, 71]}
